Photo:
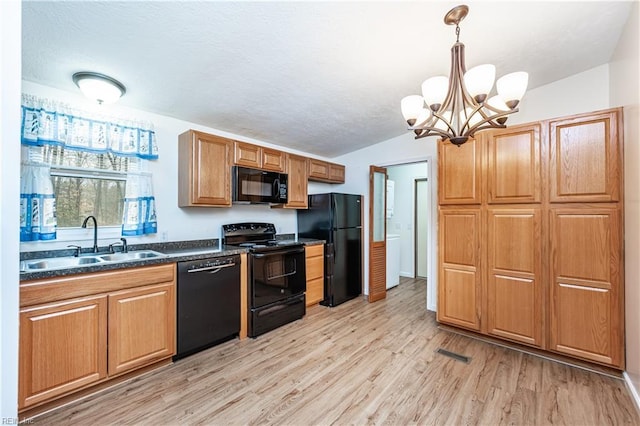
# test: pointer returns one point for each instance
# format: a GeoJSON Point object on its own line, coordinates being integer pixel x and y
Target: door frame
{"type": "Point", "coordinates": [415, 225]}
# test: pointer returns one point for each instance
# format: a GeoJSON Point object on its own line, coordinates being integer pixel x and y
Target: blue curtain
{"type": "Point", "coordinates": [139, 214]}
{"type": "Point", "coordinates": [46, 123]}
{"type": "Point", "coordinates": [37, 203]}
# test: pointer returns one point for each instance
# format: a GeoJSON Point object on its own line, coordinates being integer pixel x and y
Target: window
{"type": "Point", "coordinates": [86, 184]}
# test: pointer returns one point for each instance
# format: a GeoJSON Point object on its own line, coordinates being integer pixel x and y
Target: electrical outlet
{"type": "Point", "coordinates": [164, 236]}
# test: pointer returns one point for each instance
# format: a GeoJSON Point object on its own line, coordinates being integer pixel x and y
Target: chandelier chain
{"type": "Point", "coordinates": [457, 33]}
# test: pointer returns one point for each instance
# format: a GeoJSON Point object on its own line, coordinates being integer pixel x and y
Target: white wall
{"type": "Point", "coordinates": [625, 92]}
{"type": "Point", "coordinates": [583, 92]}
{"type": "Point", "coordinates": [175, 223]}
{"type": "Point", "coordinates": [402, 221]}
{"type": "Point", "coordinates": [10, 72]}
{"type": "Point", "coordinates": [400, 150]}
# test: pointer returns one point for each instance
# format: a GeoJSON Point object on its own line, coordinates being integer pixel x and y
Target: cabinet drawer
{"type": "Point", "coordinates": [315, 291]}
{"type": "Point", "coordinates": [315, 266]}
{"type": "Point", "coordinates": [317, 250]}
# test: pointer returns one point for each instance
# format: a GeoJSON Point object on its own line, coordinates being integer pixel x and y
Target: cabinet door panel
{"type": "Point", "coordinates": [459, 289]}
{"type": "Point", "coordinates": [248, 155]}
{"type": "Point", "coordinates": [459, 173]}
{"type": "Point", "coordinates": [514, 292]}
{"type": "Point", "coordinates": [211, 185]}
{"type": "Point", "coordinates": [142, 326]}
{"type": "Point", "coordinates": [318, 169]}
{"type": "Point", "coordinates": [297, 185]}
{"type": "Point", "coordinates": [586, 306]}
{"type": "Point", "coordinates": [458, 298]}
{"type": "Point", "coordinates": [584, 163]}
{"type": "Point", "coordinates": [63, 347]}
{"type": "Point", "coordinates": [273, 159]}
{"type": "Point", "coordinates": [336, 173]}
{"type": "Point", "coordinates": [514, 165]}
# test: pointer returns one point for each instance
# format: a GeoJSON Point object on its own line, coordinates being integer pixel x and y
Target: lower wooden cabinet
{"type": "Point", "coordinates": [63, 347]}
{"type": "Point", "coordinates": [586, 304]}
{"type": "Point", "coordinates": [114, 323]}
{"type": "Point", "coordinates": [514, 285]}
{"type": "Point", "coordinates": [315, 273]}
{"type": "Point", "coordinates": [142, 326]}
{"type": "Point", "coordinates": [459, 273]}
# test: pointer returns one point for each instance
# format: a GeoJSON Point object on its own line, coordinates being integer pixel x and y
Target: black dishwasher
{"type": "Point", "coordinates": [208, 303]}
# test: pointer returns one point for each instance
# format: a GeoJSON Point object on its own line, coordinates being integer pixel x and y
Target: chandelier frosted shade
{"type": "Point", "coordinates": [455, 108]}
{"type": "Point", "coordinates": [512, 86]}
{"type": "Point", "coordinates": [479, 81]}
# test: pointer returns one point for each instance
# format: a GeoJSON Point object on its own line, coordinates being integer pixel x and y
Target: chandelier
{"type": "Point", "coordinates": [459, 106]}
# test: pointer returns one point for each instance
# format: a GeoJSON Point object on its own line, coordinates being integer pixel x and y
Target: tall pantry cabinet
{"type": "Point", "coordinates": [530, 235]}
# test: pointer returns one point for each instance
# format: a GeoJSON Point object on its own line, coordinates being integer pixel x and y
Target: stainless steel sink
{"type": "Point", "coordinates": [76, 262]}
{"type": "Point", "coordinates": [59, 263]}
{"type": "Point", "coordinates": [132, 255]}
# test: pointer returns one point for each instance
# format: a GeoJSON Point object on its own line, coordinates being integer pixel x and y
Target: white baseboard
{"type": "Point", "coordinates": [634, 392]}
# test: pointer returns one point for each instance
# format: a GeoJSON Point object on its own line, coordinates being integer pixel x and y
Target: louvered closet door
{"type": "Point", "coordinates": [514, 286]}
{"type": "Point", "coordinates": [586, 311]}
{"type": "Point", "coordinates": [459, 270]}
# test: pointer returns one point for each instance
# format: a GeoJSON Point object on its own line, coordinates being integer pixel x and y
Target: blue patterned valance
{"type": "Point", "coordinates": [47, 123]}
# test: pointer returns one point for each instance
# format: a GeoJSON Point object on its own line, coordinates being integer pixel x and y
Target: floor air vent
{"type": "Point", "coordinates": [454, 355]}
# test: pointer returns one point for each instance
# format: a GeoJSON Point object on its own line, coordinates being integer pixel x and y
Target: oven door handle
{"type": "Point", "coordinates": [211, 269]}
{"type": "Point", "coordinates": [278, 252]}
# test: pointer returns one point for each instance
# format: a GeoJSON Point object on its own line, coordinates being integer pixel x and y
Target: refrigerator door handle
{"type": "Point", "coordinates": [329, 260]}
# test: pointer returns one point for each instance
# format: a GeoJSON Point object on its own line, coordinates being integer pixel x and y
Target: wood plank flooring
{"type": "Point", "coordinates": [359, 363]}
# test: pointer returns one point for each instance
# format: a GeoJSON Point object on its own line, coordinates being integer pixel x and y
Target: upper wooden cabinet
{"type": "Point", "coordinates": [324, 171]}
{"type": "Point", "coordinates": [585, 153]}
{"type": "Point", "coordinates": [204, 177]}
{"type": "Point", "coordinates": [514, 172]}
{"type": "Point", "coordinates": [258, 157]}
{"type": "Point", "coordinates": [297, 182]}
{"type": "Point", "coordinates": [459, 173]}
{"type": "Point", "coordinates": [248, 155]}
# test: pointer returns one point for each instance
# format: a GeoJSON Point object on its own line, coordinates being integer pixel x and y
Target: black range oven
{"type": "Point", "coordinates": [277, 276]}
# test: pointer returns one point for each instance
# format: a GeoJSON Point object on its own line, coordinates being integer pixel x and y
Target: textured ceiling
{"type": "Point", "coordinates": [322, 77]}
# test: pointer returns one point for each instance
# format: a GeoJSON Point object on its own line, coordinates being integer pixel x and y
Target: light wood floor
{"type": "Point", "coordinates": [359, 363]}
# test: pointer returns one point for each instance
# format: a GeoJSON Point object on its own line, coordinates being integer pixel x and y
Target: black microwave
{"type": "Point", "coordinates": [258, 186]}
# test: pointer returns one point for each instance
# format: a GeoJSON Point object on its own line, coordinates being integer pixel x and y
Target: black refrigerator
{"type": "Point", "coordinates": [337, 219]}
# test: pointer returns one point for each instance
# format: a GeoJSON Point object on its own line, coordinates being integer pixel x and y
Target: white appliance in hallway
{"type": "Point", "coordinates": [393, 260]}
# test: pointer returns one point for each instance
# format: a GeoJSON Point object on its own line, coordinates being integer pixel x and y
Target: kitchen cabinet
{"type": "Point", "coordinates": [83, 330]}
{"type": "Point", "coordinates": [586, 304]}
{"type": "Point", "coordinates": [204, 176]}
{"type": "Point", "coordinates": [514, 292]}
{"type": "Point", "coordinates": [459, 274]}
{"type": "Point", "coordinates": [63, 347]}
{"type": "Point", "coordinates": [459, 173]}
{"type": "Point", "coordinates": [324, 171]}
{"type": "Point", "coordinates": [585, 151]}
{"type": "Point", "coordinates": [530, 235]}
{"type": "Point", "coordinates": [142, 326]}
{"type": "Point", "coordinates": [257, 157]}
{"type": "Point", "coordinates": [298, 182]}
{"type": "Point", "coordinates": [314, 258]}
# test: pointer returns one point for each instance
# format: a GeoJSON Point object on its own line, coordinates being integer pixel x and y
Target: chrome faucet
{"type": "Point", "coordinates": [95, 231]}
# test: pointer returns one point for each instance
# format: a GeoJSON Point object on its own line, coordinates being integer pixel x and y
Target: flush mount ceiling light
{"type": "Point", "coordinates": [99, 87]}
{"type": "Point", "coordinates": [459, 106]}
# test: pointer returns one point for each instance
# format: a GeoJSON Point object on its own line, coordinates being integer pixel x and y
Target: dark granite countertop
{"type": "Point", "coordinates": [174, 252]}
